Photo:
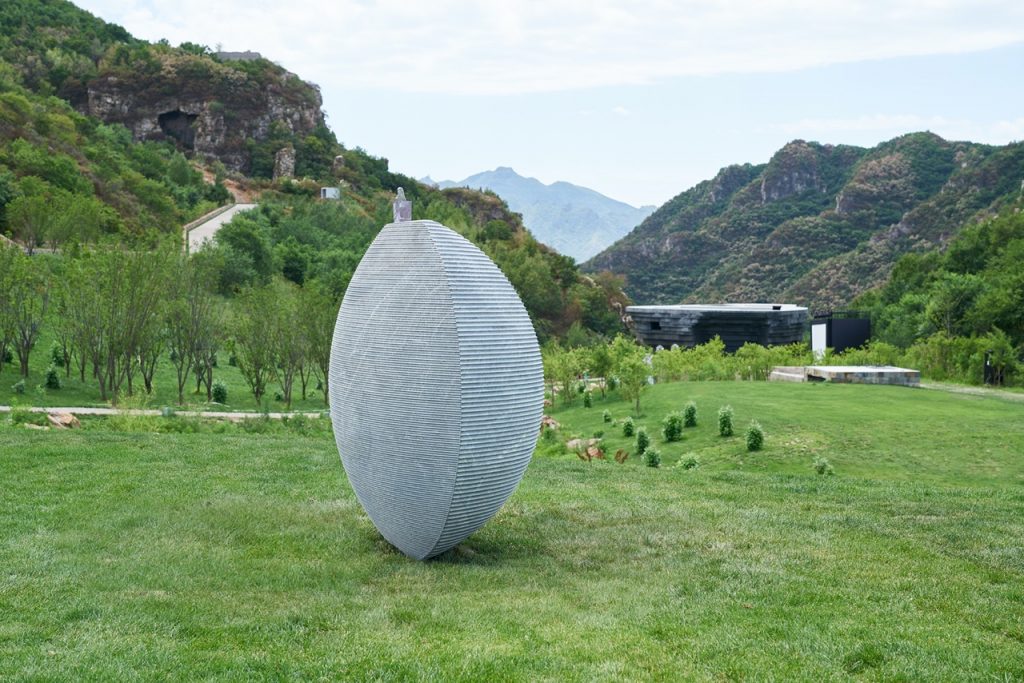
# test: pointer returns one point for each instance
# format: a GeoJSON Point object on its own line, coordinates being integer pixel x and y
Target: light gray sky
{"type": "Point", "coordinates": [638, 99]}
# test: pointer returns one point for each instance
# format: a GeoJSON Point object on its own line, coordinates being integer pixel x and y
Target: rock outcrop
{"type": "Point", "coordinates": [216, 109]}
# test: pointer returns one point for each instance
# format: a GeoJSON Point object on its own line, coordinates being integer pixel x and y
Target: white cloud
{"type": "Point", "coordinates": [620, 111]}
{"type": "Point", "coordinates": [517, 46]}
{"type": "Point", "coordinates": [881, 126]}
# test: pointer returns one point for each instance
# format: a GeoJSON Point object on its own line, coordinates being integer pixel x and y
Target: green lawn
{"type": "Point", "coordinates": [237, 556]}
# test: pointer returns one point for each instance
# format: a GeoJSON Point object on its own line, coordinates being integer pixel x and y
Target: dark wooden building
{"type": "Point", "coordinates": [736, 324]}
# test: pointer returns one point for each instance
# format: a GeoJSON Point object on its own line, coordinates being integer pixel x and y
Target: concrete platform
{"type": "Point", "coordinates": [850, 374]}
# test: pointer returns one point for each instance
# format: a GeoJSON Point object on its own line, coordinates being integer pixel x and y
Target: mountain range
{"type": "Point", "coordinates": [817, 225]}
{"type": "Point", "coordinates": [577, 221]}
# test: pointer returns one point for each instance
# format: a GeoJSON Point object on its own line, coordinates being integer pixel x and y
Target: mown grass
{"type": "Point", "coordinates": [237, 556]}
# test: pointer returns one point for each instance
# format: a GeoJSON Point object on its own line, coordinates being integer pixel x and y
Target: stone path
{"type": "Point", "coordinates": [214, 414]}
{"type": "Point", "coordinates": [197, 234]}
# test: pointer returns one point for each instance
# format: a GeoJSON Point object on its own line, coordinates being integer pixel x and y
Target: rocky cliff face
{"type": "Point", "coordinates": [793, 170]}
{"type": "Point", "coordinates": [205, 106]}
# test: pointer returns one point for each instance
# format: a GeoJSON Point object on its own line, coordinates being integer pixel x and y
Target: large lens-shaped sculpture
{"type": "Point", "coordinates": [436, 387]}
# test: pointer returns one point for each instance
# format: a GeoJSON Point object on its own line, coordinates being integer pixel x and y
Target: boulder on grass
{"type": "Point", "coordinates": [63, 420]}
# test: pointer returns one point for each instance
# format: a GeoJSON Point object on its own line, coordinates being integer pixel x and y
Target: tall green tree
{"type": "Point", "coordinates": [192, 320]}
{"type": "Point", "coordinates": [251, 339]}
{"type": "Point", "coordinates": [289, 336]}
{"type": "Point", "coordinates": [25, 302]}
{"type": "Point", "coordinates": [630, 364]}
{"type": "Point", "coordinates": [319, 314]}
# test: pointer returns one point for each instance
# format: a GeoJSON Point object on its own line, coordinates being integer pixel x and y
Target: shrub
{"type": "Point", "coordinates": [612, 383]}
{"type": "Point", "coordinates": [18, 387]}
{"type": "Point", "coordinates": [8, 355]}
{"type": "Point", "coordinates": [725, 421]}
{"type": "Point", "coordinates": [690, 415]}
{"type": "Point", "coordinates": [642, 441]}
{"type": "Point", "coordinates": [688, 461]}
{"type": "Point", "coordinates": [548, 435]}
{"type": "Point", "coordinates": [755, 437]}
{"type": "Point", "coordinates": [20, 416]}
{"type": "Point", "coordinates": [599, 434]}
{"type": "Point", "coordinates": [628, 427]}
{"type": "Point", "coordinates": [53, 378]}
{"type": "Point", "coordinates": [822, 466]}
{"type": "Point", "coordinates": [279, 396]}
{"type": "Point", "coordinates": [652, 457]}
{"type": "Point", "coordinates": [672, 427]}
{"type": "Point", "coordinates": [607, 417]}
{"type": "Point", "coordinates": [219, 391]}
{"type": "Point", "coordinates": [57, 355]}
{"type": "Point", "coordinates": [588, 399]}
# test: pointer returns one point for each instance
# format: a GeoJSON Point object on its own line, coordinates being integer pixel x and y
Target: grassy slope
{"type": "Point", "coordinates": [238, 556]}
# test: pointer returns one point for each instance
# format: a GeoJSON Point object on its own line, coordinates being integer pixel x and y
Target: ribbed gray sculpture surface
{"type": "Point", "coordinates": [436, 387]}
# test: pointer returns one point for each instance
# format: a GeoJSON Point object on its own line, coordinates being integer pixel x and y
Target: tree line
{"type": "Point", "coordinates": [118, 313]}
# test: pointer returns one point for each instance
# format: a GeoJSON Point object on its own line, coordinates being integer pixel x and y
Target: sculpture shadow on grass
{"type": "Point", "coordinates": [490, 546]}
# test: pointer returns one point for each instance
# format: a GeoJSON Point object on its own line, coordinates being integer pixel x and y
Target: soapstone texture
{"type": "Point", "coordinates": [436, 387]}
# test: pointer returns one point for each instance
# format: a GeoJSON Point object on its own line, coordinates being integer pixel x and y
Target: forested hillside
{"type": "Point", "coordinates": [108, 139]}
{"type": "Point", "coordinates": [817, 225]}
{"type": "Point", "coordinates": [954, 306]}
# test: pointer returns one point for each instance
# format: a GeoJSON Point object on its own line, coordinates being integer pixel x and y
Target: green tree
{"type": "Point", "coordinates": [244, 236]}
{"type": "Point", "coordinates": [25, 301]}
{"type": "Point", "coordinates": [31, 219]}
{"type": "Point", "coordinates": [632, 368]}
{"type": "Point", "coordinates": [319, 314]}
{"type": "Point", "coordinates": [289, 336]}
{"type": "Point", "coordinates": [950, 298]}
{"type": "Point", "coordinates": [191, 320]}
{"type": "Point", "coordinates": [252, 341]}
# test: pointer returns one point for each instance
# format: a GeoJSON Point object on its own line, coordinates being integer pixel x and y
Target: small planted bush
{"type": "Point", "coordinates": [652, 457]}
{"type": "Point", "coordinates": [607, 416]}
{"type": "Point", "coordinates": [612, 383]}
{"type": "Point", "coordinates": [642, 441]}
{"type": "Point", "coordinates": [755, 437]}
{"type": "Point", "coordinates": [672, 427]}
{"type": "Point", "coordinates": [690, 415]}
{"type": "Point", "coordinates": [725, 421]}
{"type": "Point", "coordinates": [588, 399]}
{"type": "Point", "coordinates": [688, 462]}
{"type": "Point", "coordinates": [822, 466]}
{"type": "Point", "coordinates": [56, 355]}
{"type": "Point", "coordinates": [18, 387]}
{"type": "Point", "coordinates": [219, 391]}
{"type": "Point", "coordinates": [53, 380]}
{"type": "Point", "coordinates": [628, 427]}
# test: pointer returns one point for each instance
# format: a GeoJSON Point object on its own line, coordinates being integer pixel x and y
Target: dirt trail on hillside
{"type": "Point", "coordinates": [242, 195]}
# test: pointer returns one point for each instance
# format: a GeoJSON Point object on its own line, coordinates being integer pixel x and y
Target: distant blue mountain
{"type": "Point", "coordinates": [576, 221]}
